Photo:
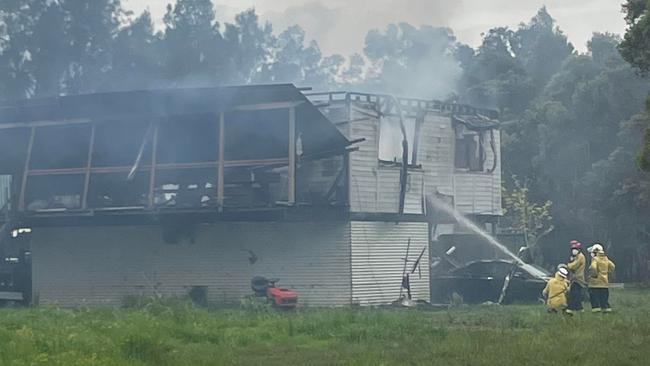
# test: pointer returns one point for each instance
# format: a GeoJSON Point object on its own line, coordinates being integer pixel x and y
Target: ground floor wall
{"type": "Point", "coordinates": [104, 265]}
{"type": "Point", "coordinates": [378, 253]}
{"type": "Point", "coordinates": [328, 263]}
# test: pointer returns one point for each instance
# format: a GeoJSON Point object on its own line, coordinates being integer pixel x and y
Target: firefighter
{"type": "Point", "coordinates": [556, 290]}
{"type": "Point", "coordinates": [576, 265]}
{"type": "Point", "coordinates": [598, 281]}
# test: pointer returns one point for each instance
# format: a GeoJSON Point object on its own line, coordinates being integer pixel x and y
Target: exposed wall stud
{"type": "Point", "coordinates": [222, 151]}
{"type": "Point", "coordinates": [91, 146]}
{"type": "Point", "coordinates": [292, 156]}
{"type": "Point", "coordinates": [28, 158]}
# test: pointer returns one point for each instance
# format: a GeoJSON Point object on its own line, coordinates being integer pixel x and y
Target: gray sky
{"type": "Point", "coordinates": [339, 26]}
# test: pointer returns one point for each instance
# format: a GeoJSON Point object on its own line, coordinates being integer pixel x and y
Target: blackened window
{"type": "Point", "coordinates": [468, 152]}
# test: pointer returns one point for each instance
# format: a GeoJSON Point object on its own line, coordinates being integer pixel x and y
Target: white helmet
{"type": "Point", "coordinates": [596, 248]}
{"type": "Point", "coordinates": [563, 271]}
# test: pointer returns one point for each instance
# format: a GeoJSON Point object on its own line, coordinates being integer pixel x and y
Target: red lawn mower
{"type": "Point", "coordinates": [279, 297]}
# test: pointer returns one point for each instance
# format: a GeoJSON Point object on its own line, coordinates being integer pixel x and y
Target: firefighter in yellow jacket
{"type": "Point", "coordinates": [598, 281]}
{"type": "Point", "coordinates": [576, 265]}
{"type": "Point", "coordinates": [556, 290]}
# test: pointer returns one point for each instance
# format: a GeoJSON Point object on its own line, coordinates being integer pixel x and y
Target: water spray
{"type": "Point", "coordinates": [443, 206]}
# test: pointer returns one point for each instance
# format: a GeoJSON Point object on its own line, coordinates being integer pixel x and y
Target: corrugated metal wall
{"type": "Point", "coordinates": [102, 265]}
{"type": "Point", "coordinates": [378, 249]}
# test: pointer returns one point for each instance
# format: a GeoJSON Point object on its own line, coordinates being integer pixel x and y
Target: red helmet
{"type": "Point", "coordinates": [576, 244]}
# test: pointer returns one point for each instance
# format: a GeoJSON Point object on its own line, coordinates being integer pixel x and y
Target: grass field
{"type": "Point", "coordinates": [179, 334]}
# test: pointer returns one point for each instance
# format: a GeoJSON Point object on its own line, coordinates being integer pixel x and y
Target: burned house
{"type": "Point", "coordinates": [192, 192]}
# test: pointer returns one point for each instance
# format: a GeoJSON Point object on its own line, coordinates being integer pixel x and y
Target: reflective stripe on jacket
{"type": "Point", "coordinates": [599, 271]}
{"type": "Point", "coordinates": [577, 267]}
{"type": "Point", "coordinates": [556, 290]}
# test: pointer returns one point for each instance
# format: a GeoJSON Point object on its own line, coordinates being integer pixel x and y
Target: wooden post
{"type": "Point", "coordinates": [419, 120]}
{"type": "Point", "coordinates": [152, 171]}
{"type": "Point", "coordinates": [91, 146]}
{"type": "Point", "coordinates": [220, 169]}
{"type": "Point", "coordinates": [292, 156]}
{"type": "Point", "coordinates": [28, 158]}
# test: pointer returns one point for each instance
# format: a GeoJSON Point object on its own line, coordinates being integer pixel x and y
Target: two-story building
{"type": "Point", "coordinates": [195, 191]}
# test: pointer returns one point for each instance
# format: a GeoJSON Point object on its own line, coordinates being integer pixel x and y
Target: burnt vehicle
{"type": "Point", "coordinates": [483, 281]}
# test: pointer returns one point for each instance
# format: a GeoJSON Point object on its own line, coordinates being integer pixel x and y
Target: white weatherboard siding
{"type": "Point", "coordinates": [436, 154]}
{"type": "Point", "coordinates": [375, 188]}
{"type": "Point", "coordinates": [480, 193]}
{"type": "Point", "coordinates": [103, 264]}
{"type": "Point", "coordinates": [378, 249]}
{"type": "Point", "coordinates": [364, 123]}
{"type": "Point", "coordinates": [476, 193]}
{"type": "Point", "coordinates": [388, 194]}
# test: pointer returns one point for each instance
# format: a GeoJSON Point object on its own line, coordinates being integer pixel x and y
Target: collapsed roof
{"type": "Point", "coordinates": [317, 132]}
{"type": "Point", "coordinates": [476, 122]}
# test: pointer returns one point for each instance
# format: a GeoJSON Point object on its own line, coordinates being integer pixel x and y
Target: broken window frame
{"type": "Point", "coordinates": [396, 141]}
{"type": "Point", "coordinates": [87, 170]}
{"type": "Point", "coordinates": [413, 113]}
{"type": "Point", "coordinates": [469, 150]}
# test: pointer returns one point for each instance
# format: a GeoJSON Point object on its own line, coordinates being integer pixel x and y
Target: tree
{"type": "Point", "coordinates": [57, 47]}
{"type": "Point", "coordinates": [136, 61]}
{"type": "Point", "coordinates": [18, 40]}
{"type": "Point", "coordinates": [529, 218]}
{"type": "Point", "coordinates": [292, 61]}
{"type": "Point", "coordinates": [410, 61]}
{"type": "Point", "coordinates": [511, 67]}
{"type": "Point", "coordinates": [542, 47]}
{"type": "Point", "coordinates": [194, 52]}
{"type": "Point", "coordinates": [90, 29]}
{"type": "Point", "coordinates": [495, 78]}
{"type": "Point", "coordinates": [353, 73]}
{"type": "Point", "coordinates": [569, 134]}
{"type": "Point", "coordinates": [248, 43]}
{"type": "Point", "coordinates": [635, 49]}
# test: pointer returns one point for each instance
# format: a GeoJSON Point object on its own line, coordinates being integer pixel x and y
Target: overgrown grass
{"type": "Point", "coordinates": [180, 334]}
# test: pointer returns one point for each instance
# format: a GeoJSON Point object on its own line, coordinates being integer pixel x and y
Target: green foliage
{"type": "Point", "coordinates": [511, 67]}
{"type": "Point", "coordinates": [521, 215]}
{"type": "Point", "coordinates": [256, 304]}
{"type": "Point", "coordinates": [635, 49]}
{"type": "Point", "coordinates": [59, 47]}
{"type": "Point", "coordinates": [461, 335]}
{"type": "Point", "coordinates": [576, 142]}
{"type": "Point", "coordinates": [643, 158]}
{"type": "Point", "coordinates": [413, 61]}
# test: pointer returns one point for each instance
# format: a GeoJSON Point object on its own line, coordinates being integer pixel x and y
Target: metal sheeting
{"type": "Point", "coordinates": [378, 249]}
{"type": "Point", "coordinates": [102, 265]}
{"type": "Point", "coordinates": [5, 189]}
